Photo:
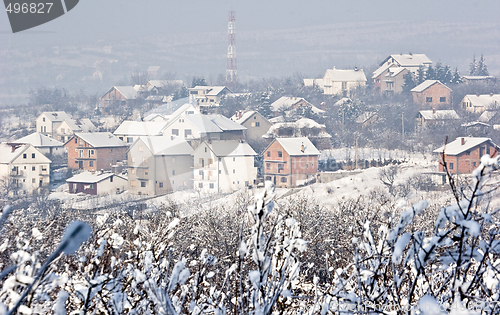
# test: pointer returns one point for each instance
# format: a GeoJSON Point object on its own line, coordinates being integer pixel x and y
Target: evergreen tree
{"type": "Point", "coordinates": [447, 76]}
{"type": "Point", "coordinates": [409, 83]}
{"type": "Point", "coordinates": [439, 72]}
{"type": "Point", "coordinates": [430, 74]}
{"type": "Point", "coordinates": [481, 67]}
{"type": "Point", "coordinates": [420, 75]}
{"type": "Point", "coordinates": [198, 81]}
{"type": "Point", "coordinates": [265, 106]}
{"type": "Point", "coordinates": [473, 66]}
{"type": "Point", "coordinates": [456, 77]}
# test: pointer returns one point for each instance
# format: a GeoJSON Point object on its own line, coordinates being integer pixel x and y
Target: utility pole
{"type": "Point", "coordinates": [231, 50]}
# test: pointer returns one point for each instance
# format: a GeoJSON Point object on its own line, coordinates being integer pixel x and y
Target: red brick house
{"type": "Point", "coordinates": [95, 151]}
{"type": "Point", "coordinates": [464, 154]}
{"type": "Point", "coordinates": [432, 93]}
{"type": "Point", "coordinates": [290, 162]}
{"type": "Point", "coordinates": [119, 96]}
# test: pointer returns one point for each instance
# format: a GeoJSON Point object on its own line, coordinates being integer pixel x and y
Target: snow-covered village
{"type": "Point", "coordinates": [339, 167]}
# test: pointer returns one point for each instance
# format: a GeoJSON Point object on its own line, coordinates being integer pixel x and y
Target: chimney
{"type": "Point", "coordinates": [491, 94]}
{"type": "Point", "coordinates": [462, 141]}
{"type": "Point", "coordinates": [241, 114]}
{"type": "Point", "coordinates": [433, 110]}
{"type": "Point", "coordinates": [323, 105]}
{"type": "Point", "coordinates": [302, 148]}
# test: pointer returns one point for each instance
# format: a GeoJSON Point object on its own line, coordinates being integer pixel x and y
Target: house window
{"type": "Point", "coordinates": [451, 166]}
{"type": "Point", "coordinates": [175, 132]}
{"type": "Point", "coordinates": [474, 164]}
{"type": "Point", "coordinates": [33, 180]}
{"type": "Point", "coordinates": [205, 149]}
{"type": "Point", "coordinates": [143, 184]}
{"type": "Point", "coordinates": [173, 172]}
{"type": "Point", "coordinates": [211, 185]}
{"type": "Point", "coordinates": [307, 165]}
{"type": "Point", "coordinates": [187, 133]}
{"type": "Point", "coordinates": [281, 167]}
{"type": "Point", "coordinates": [200, 185]}
{"type": "Point", "coordinates": [344, 85]}
{"type": "Point", "coordinates": [111, 179]}
{"type": "Point", "coordinates": [268, 166]}
{"type": "Point", "coordinates": [280, 154]}
{"type": "Point", "coordinates": [130, 139]}
{"type": "Point", "coordinates": [91, 163]}
{"type": "Point", "coordinates": [32, 168]}
{"type": "Point", "coordinates": [76, 140]}
{"type": "Point", "coordinates": [32, 155]}
{"type": "Point", "coordinates": [234, 171]}
{"type": "Point", "coordinates": [442, 99]}
{"type": "Point", "coordinates": [252, 124]}
{"type": "Point", "coordinates": [80, 153]}
{"type": "Point", "coordinates": [43, 119]}
{"type": "Point", "coordinates": [173, 160]}
{"type": "Point", "coordinates": [132, 183]}
{"type": "Point", "coordinates": [257, 124]}
{"type": "Point", "coordinates": [268, 177]}
{"type": "Point", "coordinates": [132, 171]}
{"type": "Point", "coordinates": [234, 159]}
{"type": "Point", "coordinates": [210, 161]}
{"type": "Point", "coordinates": [160, 184]}
{"type": "Point", "coordinates": [141, 148]}
{"type": "Point", "coordinates": [428, 99]}
{"type": "Point", "coordinates": [268, 153]}
{"type": "Point", "coordinates": [24, 155]}
{"type": "Point", "coordinates": [283, 179]}
{"type": "Point", "coordinates": [487, 150]}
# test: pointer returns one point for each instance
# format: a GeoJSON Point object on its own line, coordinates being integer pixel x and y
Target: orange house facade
{"type": "Point", "coordinates": [290, 162]}
{"type": "Point", "coordinates": [463, 155]}
{"type": "Point", "coordinates": [432, 93]}
{"type": "Point", "coordinates": [95, 151]}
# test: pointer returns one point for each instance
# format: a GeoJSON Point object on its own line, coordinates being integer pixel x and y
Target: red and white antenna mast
{"type": "Point", "coordinates": [231, 50]}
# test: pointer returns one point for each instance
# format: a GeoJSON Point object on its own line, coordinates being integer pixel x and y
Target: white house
{"type": "Point", "coordinates": [338, 81]}
{"type": "Point", "coordinates": [223, 166]}
{"type": "Point", "coordinates": [23, 168]}
{"type": "Point", "coordinates": [290, 105]}
{"type": "Point", "coordinates": [207, 95]}
{"type": "Point", "coordinates": [69, 126]}
{"type": "Point", "coordinates": [158, 165]}
{"type": "Point", "coordinates": [129, 131]}
{"type": "Point", "coordinates": [44, 144]}
{"type": "Point", "coordinates": [480, 103]}
{"type": "Point", "coordinates": [48, 122]}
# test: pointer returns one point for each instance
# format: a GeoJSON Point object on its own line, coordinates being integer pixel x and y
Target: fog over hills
{"type": "Point", "coordinates": [306, 50]}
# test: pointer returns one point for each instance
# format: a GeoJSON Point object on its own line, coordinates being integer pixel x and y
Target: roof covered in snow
{"type": "Point", "coordinates": [81, 125]}
{"type": "Point", "coordinates": [230, 148]}
{"type": "Point", "coordinates": [456, 147]}
{"type": "Point", "coordinates": [427, 84]}
{"type": "Point", "coordinates": [297, 126]}
{"type": "Point", "coordinates": [484, 100]}
{"type": "Point", "coordinates": [88, 177]}
{"type": "Point", "coordinates": [293, 146]}
{"type": "Point", "coordinates": [140, 128]}
{"type": "Point", "coordinates": [409, 60]}
{"type": "Point", "coordinates": [244, 116]}
{"type": "Point", "coordinates": [129, 92]}
{"type": "Point", "coordinates": [39, 140]}
{"type": "Point", "coordinates": [439, 114]}
{"type": "Point", "coordinates": [9, 152]}
{"type": "Point", "coordinates": [100, 139]}
{"type": "Point", "coordinates": [350, 75]}
{"type": "Point", "coordinates": [56, 116]}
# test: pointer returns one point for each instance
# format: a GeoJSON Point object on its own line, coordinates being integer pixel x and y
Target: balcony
{"type": "Point", "coordinates": [16, 173]}
{"type": "Point", "coordinates": [44, 173]}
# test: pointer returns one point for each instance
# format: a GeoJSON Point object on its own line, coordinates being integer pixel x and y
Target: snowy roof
{"type": "Point", "coordinates": [224, 123]}
{"type": "Point", "coordinates": [380, 70]}
{"type": "Point", "coordinates": [456, 147]}
{"type": "Point", "coordinates": [7, 155]}
{"type": "Point", "coordinates": [39, 140]}
{"type": "Point", "coordinates": [313, 82]}
{"type": "Point", "coordinates": [162, 83]}
{"type": "Point", "coordinates": [409, 60]}
{"type": "Point", "coordinates": [160, 145]}
{"type": "Point", "coordinates": [187, 108]}
{"type": "Point", "coordinates": [343, 101]}
{"type": "Point", "coordinates": [88, 177]}
{"type": "Point", "coordinates": [293, 146]}
{"type": "Point", "coordinates": [477, 77]}
{"type": "Point", "coordinates": [394, 71]}
{"type": "Point", "coordinates": [101, 139]}
{"type": "Point", "coordinates": [487, 115]}
{"type": "Point", "coordinates": [475, 124]}
{"type": "Point", "coordinates": [151, 117]}
{"type": "Point", "coordinates": [244, 116]}
{"type": "Point", "coordinates": [82, 125]}
{"type": "Point", "coordinates": [285, 102]}
{"type": "Point", "coordinates": [439, 114]}
{"type": "Point", "coordinates": [210, 90]}
{"type": "Point", "coordinates": [427, 84]}
{"type": "Point", "coordinates": [212, 123]}
{"type": "Point", "coordinates": [297, 125]}
{"type": "Point", "coordinates": [140, 128]}
{"type": "Point", "coordinates": [129, 92]}
{"type": "Point", "coordinates": [278, 119]}
{"type": "Point", "coordinates": [484, 100]}
{"type": "Point", "coordinates": [354, 75]}
{"type": "Point", "coordinates": [56, 116]}
{"type": "Point", "coordinates": [230, 148]}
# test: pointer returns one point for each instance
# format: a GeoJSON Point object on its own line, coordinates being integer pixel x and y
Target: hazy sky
{"type": "Point", "coordinates": [108, 19]}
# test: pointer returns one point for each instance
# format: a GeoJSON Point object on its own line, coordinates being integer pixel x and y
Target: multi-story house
{"type": "Point", "coordinates": [291, 105]}
{"type": "Point", "coordinates": [69, 126]}
{"type": "Point", "coordinates": [388, 78]}
{"type": "Point", "coordinates": [341, 82]}
{"type": "Point", "coordinates": [48, 122]}
{"type": "Point", "coordinates": [23, 169]}
{"type": "Point", "coordinates": [119, 96]}
{"type": "Point", "coordinates": [207, 95]}
{"type": "Point", "coordinates": [97, 183]}
{"type": "Point", "coordinates": [290, 162]}
{"type": "Point", "coordinates": [95, 151]}
{"type": "Point", "coordinates": [224, 166]}
{"type": "Point", "coordinates": [159, 165]}
{"type": "Point", "coordinates": [480, 103]}
{"type": "Point", "coordinates": [464, 154]}
{"type": "Point", "coordinates": [432, 93]}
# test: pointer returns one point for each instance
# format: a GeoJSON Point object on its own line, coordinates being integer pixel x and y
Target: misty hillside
{"type": "Point", "coordinates": [308, 51]}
